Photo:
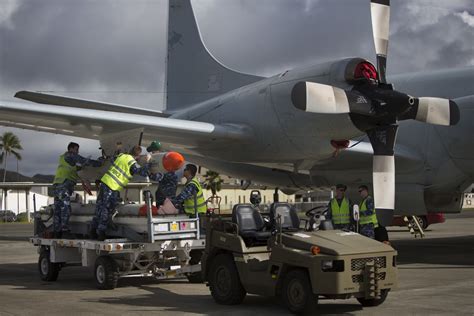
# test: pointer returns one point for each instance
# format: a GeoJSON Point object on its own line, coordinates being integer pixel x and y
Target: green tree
{"type": "Point", "coordinates": [213, 181]}
{"type": "Point", "coordinates": [9, 145]}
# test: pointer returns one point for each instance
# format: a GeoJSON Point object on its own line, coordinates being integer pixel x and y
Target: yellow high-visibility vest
{"type": "Point", "coordinates": [118, 175]}
{"type": "Point", "coordinates": [195, 201]}
{"type": "Point", "coordinates": [340, 214]}
{"type": "Point", "coordinates": [65, 172]}
{"type": "Point", "coordinates": [367, 219]}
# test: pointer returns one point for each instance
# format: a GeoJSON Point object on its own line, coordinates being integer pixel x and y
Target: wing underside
{"type": "Point", "coordinates": [93, 124]}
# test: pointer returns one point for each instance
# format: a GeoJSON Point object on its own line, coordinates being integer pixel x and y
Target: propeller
{"type": "Point", "coordinates": [380, 14]}
{"type": "Point", "coordinates": [375, 107]}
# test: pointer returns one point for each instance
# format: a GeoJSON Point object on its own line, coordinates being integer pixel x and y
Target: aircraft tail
{"type": "Point", "coordinates": [193, 74]}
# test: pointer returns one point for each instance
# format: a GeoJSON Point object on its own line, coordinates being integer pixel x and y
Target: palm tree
{"type": "Point", "coordinates": [9, 145]}
{"type": "Point", "coordinates": [213, 181]}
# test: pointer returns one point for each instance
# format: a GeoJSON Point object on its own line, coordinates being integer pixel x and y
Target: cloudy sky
{"type": "Point", "coordinates": [114, 50]}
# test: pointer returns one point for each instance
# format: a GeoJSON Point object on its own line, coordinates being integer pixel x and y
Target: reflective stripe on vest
{"type": "Point", "coordinates": [364, 219]}
{"type": "Point", "coordinates": [118, 175]}
{"type": "Point", "coordinates": [189, 205]}
{"type": "Point", "coordinates": [340, 214]}
{"type": "Point", "coordinates": [65, 171]}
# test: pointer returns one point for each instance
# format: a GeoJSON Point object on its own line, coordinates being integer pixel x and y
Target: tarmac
{"type": "Point", "coordinates": [436, 277]}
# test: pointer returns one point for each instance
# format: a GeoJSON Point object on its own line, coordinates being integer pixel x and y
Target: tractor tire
{"type": "Point", "coordinates": [297, 293]}
{"type": "Point", "coordinates": [48, 270]}
{"type": "Point", "coordinates": [106, 273]}
{"type": "Point", "coordinates": [374, 301]}
{"type": "Point", "coordinates": [224, 281]}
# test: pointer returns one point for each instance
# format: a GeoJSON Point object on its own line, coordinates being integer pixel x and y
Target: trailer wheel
{"type": "Point", "coordinates": [224, 281]}
{"type": "Point", "coordinates": [297, 292]}
{"type": "Point", "coordinates": [48, 270]}
{"type": "Point", "coordinates": [374, 301]}
{"type": "Point", "coordinates": [106, 273]}
{"type": "Point", "coordinates": [195, 277]}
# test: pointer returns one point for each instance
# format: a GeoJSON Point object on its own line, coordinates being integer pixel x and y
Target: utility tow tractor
{"type": "Point", "coordinates": [273, 256]}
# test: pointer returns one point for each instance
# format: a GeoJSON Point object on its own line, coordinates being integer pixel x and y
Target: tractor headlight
{"type": "Point", "coordinates": [332, 265]}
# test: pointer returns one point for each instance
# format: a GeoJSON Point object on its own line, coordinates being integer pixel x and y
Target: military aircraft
{"type": "Point", "coordinates": [337, 121]}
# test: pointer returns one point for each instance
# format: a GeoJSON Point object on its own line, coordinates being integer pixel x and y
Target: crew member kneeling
{"type": "Point", "coordinates": [192, 197]}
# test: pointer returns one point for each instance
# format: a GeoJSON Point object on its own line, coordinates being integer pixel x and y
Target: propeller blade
{"type": "Point", "coordinates": [319, 98]}
{"type": "Point", "coordinates": [382, 140]}
{"type": "Point", "coordinates": [437, 111]}
{"type": "Point", "coordinates": [384, 188]}
{"type": "Point", "coordinates": [380, 14]}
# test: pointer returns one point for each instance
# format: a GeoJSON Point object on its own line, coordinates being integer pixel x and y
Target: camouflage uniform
{"type": "Point", "coordinates": [166, 188]}
{"type": "Point", "coordinates": [368, 229]}
{"type": "Point", "coordinates": [108, 199]}
{"type": "Point", "coordinates": [62, 205]}
{"type": "Point", "coordinates": [62, 193]}
{"type": "Point", "coordinates": [188, 191]}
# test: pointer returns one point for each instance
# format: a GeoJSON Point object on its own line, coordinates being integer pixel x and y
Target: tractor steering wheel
{"type": "Point", "coordinates": [317, 210]}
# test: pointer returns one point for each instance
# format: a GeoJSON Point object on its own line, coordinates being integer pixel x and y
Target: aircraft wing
{"type": "Point", "coordinates": [95, 123]}
{"type": "Point", "coordinates": [51, 99]}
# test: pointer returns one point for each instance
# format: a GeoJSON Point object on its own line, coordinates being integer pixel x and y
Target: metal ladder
{"type": "Point", "coordinates": [415, 229]}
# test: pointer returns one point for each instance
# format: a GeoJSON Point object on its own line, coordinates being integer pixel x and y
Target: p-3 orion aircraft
{"type": "Point", "coordinates": [306, 128]}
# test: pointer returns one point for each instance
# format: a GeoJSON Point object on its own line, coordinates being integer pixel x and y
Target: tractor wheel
{"type": "Point", "coordinates": [224, 281]}
{"type": "Point", "coordinates": [374, 301]}
{"type": "Point", "coordinates": [297, 292]}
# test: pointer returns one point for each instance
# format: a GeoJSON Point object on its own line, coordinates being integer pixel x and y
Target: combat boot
{"type": "Point", "coordinates": [66, 234]}
{"type": "Point", "coordinates": [101, 236]}
{"type": "Point", "coordinates": [92, 234]}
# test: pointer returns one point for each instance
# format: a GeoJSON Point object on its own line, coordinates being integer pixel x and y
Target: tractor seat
{"type": "Point", "coordinates": [289, 218]}
{"type": "Point", "coordinates": [326, 225]}
{"type": "Point", "coordinates": [250, 224]}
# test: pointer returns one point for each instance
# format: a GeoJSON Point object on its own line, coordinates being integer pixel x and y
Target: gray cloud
{"type": "Point", "coordinates": [41, 150]}
{"type": "Point", "coordinates": [114, 50]}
